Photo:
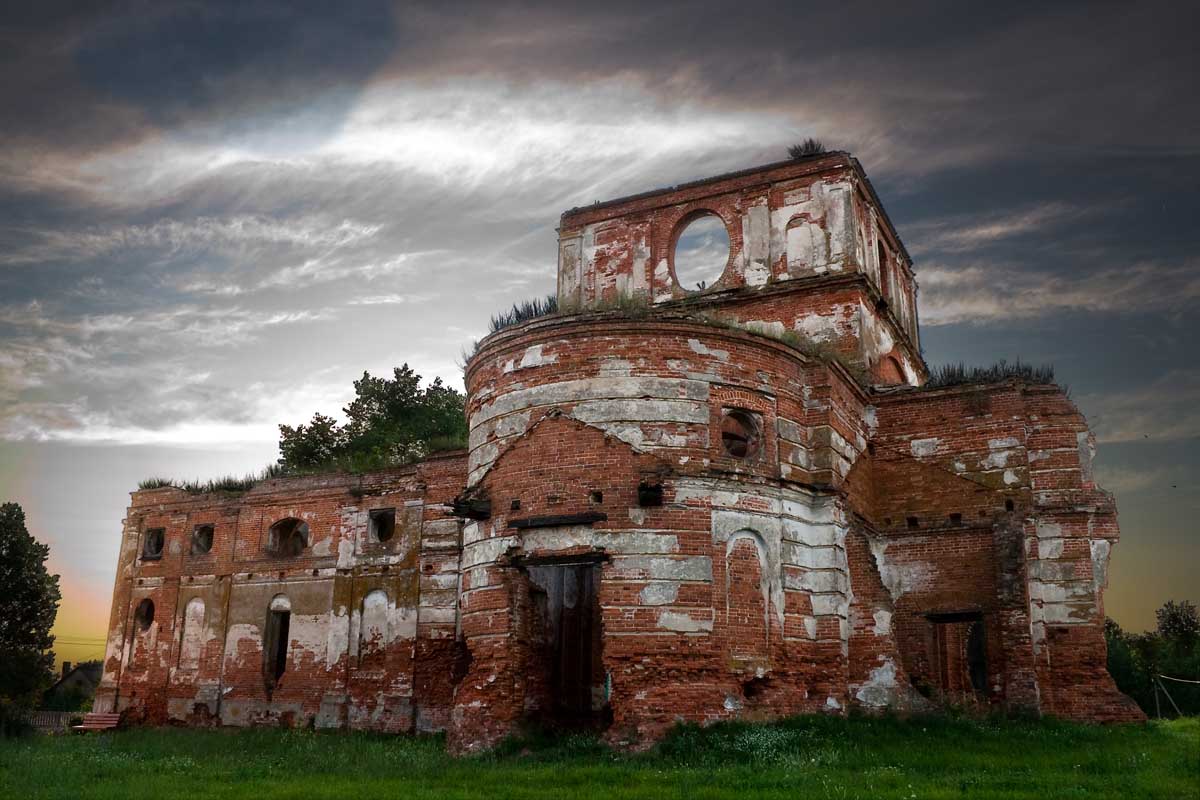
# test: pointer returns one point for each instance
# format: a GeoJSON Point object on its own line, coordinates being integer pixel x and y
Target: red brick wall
{"type": "Point", "coordinates": [326, 681]}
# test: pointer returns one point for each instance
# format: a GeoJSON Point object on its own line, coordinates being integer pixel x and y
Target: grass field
{"type": "Point", "coordinates": [807, 757]}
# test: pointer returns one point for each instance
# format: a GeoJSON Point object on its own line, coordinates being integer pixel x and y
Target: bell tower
{"type": "Point", "coordinates": [796, 248]}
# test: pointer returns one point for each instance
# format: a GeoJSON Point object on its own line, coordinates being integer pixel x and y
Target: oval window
{"type": "Point", "coordinates": [739, 434]}
{"type": "Point", "coordinates": [701, 253]}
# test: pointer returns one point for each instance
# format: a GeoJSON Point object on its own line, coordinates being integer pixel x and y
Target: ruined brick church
{"type": "Point", "coordinates": [682, 500]}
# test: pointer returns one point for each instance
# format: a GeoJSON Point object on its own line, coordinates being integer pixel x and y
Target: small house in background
{"type": "Point", "coordinates": [75, 689]}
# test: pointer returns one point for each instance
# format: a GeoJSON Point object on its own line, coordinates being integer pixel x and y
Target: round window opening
{"type": "Point", "coordinates": [739, 434]}
{"type": "Point", "coordinates": [144, 616]}
{"type": "Point", "coordinates": [701, 253]}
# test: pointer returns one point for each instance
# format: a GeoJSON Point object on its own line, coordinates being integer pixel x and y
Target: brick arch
{"type": "Point", "coordinates": [747, 602]}
{"type": "Point", "coordinates": [890, 371]}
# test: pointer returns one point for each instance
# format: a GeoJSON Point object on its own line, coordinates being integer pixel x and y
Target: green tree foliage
{"type": "Point", "coordinates": [1135, 660]}
{"type": "Point", "coordinates": [75, 698]}
{"type": "Point", "coordinates": [29, 598]}
{"type": "Point", "coordinates": [1179, 623]}
{"type": "Point", "coordinates": [390, 421]}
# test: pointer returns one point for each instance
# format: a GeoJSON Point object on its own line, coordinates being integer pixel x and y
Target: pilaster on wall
{"type": "Point", "coordinates": [1069, 537]}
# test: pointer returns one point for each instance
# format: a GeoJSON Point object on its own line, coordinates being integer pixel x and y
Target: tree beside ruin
{"type": "Point", "coordinates": [390, 421]}
{"type": "Point", "coordinates": [29, 597]}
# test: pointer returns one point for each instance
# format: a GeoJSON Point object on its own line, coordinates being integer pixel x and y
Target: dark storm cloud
{"type": "Point", "coordinates": [936, 82]}
{"type": "Point", "coordinates": [83, 75]}
{"type": "Point", "coordinates": [213, 216]}
{"type": "Point", "coordinates": [230, 160]}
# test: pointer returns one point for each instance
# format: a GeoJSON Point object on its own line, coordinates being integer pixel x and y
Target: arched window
{"type": "Point", "coordinates": [373, 632]}
{"type": "Point", "coordinates": [144, 615]}
{"type": "Point", "coordinates": [191, 634]}
{"type": "Point", "coordinates": [275, 641]}
{"type": "Point", "coordinates": [288, 537]}
{"type": "Point", "coordinates": [202, 539]}
{"type": "Point", "coordinates": [885, 288]}
{"type": "Point", "coordinates": [152, 544]}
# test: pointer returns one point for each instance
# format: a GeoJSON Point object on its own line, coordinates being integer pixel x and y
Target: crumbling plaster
{"type": "Point", "coordinates": [835, 561]}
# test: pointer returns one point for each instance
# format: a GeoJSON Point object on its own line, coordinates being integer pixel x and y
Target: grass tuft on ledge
{"type": "Point", "coordinates": [234, 484]}
{"type": "Point", "coordinates": [961, 375]}
{"type": "Point", "coordinates": [523, 311]}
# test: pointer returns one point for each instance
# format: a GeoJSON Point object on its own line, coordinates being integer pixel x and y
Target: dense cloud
{"type": "Point", "coordinates": [213, 216]}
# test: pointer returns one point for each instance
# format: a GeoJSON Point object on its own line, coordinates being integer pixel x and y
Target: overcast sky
{"type": "Point", "coordinates": [214, 216]}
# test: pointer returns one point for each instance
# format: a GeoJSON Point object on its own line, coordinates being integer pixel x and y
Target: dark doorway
{"type": "Point", "coordinates": [566, 682]}
{"type": "Point", "coordinates": [959, 657]}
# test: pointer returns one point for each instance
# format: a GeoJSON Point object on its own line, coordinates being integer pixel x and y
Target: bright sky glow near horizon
{"type": "Point", "coordinates": [214, 217]}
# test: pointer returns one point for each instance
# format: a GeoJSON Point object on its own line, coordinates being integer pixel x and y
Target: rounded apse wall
{"type": "Point", "coordinates": [679, 389]}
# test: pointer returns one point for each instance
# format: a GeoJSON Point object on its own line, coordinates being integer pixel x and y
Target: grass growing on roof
{"type": "Point", "coordinates": [961, 375]}
{"type": "Point", "coordinates": [523, 311]}
{"type": "Point", "coordinates": [809, 757]}
{"type": "Point", "coordinates": [229, 484]}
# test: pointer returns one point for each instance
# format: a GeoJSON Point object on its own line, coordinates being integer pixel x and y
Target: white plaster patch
{"type": "Point", "coordinates": [1101, 548]}
{"type": "Point", "coordinates": [663, 282]}
{"type": "Point", "coordinates": [345, 557]}
{"type": "Point", "coordinates": [1050, 548]}
{"type": "Point", "coordinates": [817, 327]}
{"type": "Point", "coordinates": [659, 593]}
{"type": "Point", "coordinates": [682, 623]}
{"type": "Point", "coordinates": [765, 327]}
{"type": "Point", "coordinates": [899, 577]}
{"type": "Point", "coordinates": [1048, 530]}
{"type": "Point", "coordinates": [996, 459]}
{"type": "Point", "coordinates": [512, 424]}
{"type": "Point", "coordinates": [690, 568]}
{"type": "Point", "coordinates": [883, 622]}
{"type": "Point", "coordinates": [699, 347]}
{"type": "Point", "coordinates": [880, 687]}
{"type": "Point", "coordinates": [616, 367]}
{"type": "Point", "coordinates": [685, 411]}
{"type": "Point", "coordinates": [923, 448]}
{"type": "Point", "coordinates": [568, 537]}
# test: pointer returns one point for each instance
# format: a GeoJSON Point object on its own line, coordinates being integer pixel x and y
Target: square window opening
{"type": "Point", "coordinates": [383, 524]}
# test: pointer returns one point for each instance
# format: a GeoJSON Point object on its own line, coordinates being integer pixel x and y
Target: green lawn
{"type": "Point", "coordinates": [807, 757]}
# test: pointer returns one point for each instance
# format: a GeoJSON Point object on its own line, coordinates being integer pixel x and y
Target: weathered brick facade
{"type": "Point", "coordinates": [670, 508]}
